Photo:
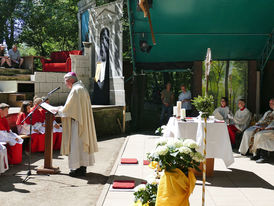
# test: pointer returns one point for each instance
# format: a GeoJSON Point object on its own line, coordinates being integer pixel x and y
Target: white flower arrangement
{"type": "Point", "coordinates": [140, 187]}
{"type": "Point", "coordinates": [161, 150]}
{"type": "Point", "coordinates": [176, 153]}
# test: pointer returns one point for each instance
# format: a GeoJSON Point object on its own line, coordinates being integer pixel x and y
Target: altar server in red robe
{"type": "Point", "coordinates": [14, 146]}
{"type": "Point", "coordinates": [23, 128]}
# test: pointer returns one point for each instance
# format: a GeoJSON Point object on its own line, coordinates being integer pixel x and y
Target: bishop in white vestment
{"type": "Point", "coordinates": [79, 139]}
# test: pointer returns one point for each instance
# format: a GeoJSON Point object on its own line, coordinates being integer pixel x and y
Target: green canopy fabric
{"type": "Point", "coordinates": [184, 29]}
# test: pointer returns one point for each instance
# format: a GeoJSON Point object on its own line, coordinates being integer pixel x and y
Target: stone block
{"type": "Point", "coordinates": [45, 87]}
{"type": "Point", "coordinates": [64, 88]}
{"type": "Point", "coordinates": [62, 98]}
{"type": "Point", "coordinates": [36, 87]}
{"type": "Point", "coordinates": [32, 78]}
{"type": "Point", "coordinates": [60, 77]}
{"type": "Point", "coordinates": [53, 77]}
{"type": "Point", "coordinates": [39, 76]}
{"type": "Point", "coordinates": [117, 97]}
{"type": "Point", "coordinates": [55, 85]}
{"type": "Point", "coordinates": [84, 63]}
{"type": "Point", "coordinates": [41, 94]}
{"type": "Point", "coordinates": [116, 83]}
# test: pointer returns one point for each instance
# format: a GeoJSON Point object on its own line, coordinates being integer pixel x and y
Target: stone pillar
{"type": "Point", "coordinates": [82, 65]}
{"type": "Point", "coordinates": [251, 88]}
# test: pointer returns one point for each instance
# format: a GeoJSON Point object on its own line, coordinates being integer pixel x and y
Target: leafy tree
{"type": "Point", "coordinates": [50, 25]}
{"type": "Point", "coordinates": [10, 24]}
{"type": "Point", "coordinates": [216, 75]}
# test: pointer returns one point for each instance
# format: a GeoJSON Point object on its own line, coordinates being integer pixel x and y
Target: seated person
{"type": "Point", "coordinates": [4, 56]}
{"type": "Point", "coordinates": [37, 117]}
{"type": "Point", "coordinates": [222, 112]}
{"type": "Point", "coordinates": [6, 135]}
{"type": "Point", "coordinates": [264, 141]}
{"type": "Point", "coordinates": [23, 128]}
{"type": "Point", "coordinates": [240, 121]}
{"type": "Point", "coordinates": [259, 127]}
{"type": "Point", "coordinates": [4, 166]}
{"type": "Point", "coordinates": [14, 56]}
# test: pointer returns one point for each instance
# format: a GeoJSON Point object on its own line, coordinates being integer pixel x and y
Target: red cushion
{"type": "Point", "coordinates": [14, 154]}
{"type": "Point", "coordinates": [59, 57]}
{"type": "Point", "coordinates": [146, 162]}
{"type": "Point", "coordinates": [219, 121]}
{"type": "Point", "coordinates": [76, 52]}
{"type": "Point", "coordinates": [123, 184]}
{"type": "Point", "coordinates": [55, 67]}
{"type": "Point", "coordinates": [129, 161]}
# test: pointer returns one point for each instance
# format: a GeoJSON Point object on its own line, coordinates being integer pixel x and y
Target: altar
{"type": "Point", "coordinates": [218, 142]}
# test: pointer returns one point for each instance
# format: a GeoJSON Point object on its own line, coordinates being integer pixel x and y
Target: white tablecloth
{"type": "Point", "coordinates": [218, 142]}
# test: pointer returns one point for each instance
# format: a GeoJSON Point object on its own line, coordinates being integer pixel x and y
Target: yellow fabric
{"type": "Point", "coordinates": [175, 188]}
{"type": "Point", "coordinates": [78, 107]}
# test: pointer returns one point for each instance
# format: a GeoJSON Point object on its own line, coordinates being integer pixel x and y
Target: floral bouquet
{"type": "Point", "coordinates": [176, 153]}
{"type": "Point", "coordinates": [145, 194]}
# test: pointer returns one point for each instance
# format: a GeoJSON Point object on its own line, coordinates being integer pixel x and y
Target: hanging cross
{"type": "Point", "coordinates": [207, 68]}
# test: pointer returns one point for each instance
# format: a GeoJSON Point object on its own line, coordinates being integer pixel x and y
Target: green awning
{"type": "Point", "coordinates": [184, 29]}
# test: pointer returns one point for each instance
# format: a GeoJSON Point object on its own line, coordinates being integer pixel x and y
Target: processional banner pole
{"type": "Point", "coordinates": [207, 70]}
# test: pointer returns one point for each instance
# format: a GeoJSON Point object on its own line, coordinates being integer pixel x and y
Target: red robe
{"type": "Point", "coordinates": [4, 125]}
{"type": "Point", "coordinates": [37, 116]}
{"type": "Point", "coordinates": [21, 117]}
{"type": "Point", "coordinates": [14, 152]}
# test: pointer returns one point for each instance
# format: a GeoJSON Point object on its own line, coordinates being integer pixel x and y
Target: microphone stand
{"type": "Point", "coordinates": [30, 118]}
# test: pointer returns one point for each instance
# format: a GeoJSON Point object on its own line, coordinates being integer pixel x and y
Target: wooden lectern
{"type": "Point", "coordinates": [48, 168]}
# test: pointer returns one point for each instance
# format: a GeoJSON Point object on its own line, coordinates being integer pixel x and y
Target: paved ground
{"type": "Point", "coordinates": [59, 189]}
{"type": "Point", "coordinates": [244, 183]}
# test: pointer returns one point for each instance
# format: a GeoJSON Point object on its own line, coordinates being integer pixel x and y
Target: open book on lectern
{"type": "Point", "coordinates": [49, 108]}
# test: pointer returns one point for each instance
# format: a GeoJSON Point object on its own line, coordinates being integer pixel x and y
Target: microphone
{"type": "Point", "coordinates": [53, 91]}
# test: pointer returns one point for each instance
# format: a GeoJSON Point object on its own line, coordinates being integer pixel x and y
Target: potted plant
{"type": "Point", "coordinates": [177, 158]}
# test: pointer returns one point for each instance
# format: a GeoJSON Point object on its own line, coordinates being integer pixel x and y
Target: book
{"type": "Point", "coordinates": [49, 108]}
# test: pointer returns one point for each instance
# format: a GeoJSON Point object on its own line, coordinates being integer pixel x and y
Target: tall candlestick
{"type": "Point", "coordinates": [183, 113]}
{"type": "Point", "coordinates": [179, 105]}
{"type": "Point", "coordinates": [174, 111]}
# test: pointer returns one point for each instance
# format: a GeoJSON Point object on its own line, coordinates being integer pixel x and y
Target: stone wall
{"type": "Point", "coordinates": [82, 65]}
{"type": "Point", "coordinates": [47, 81]}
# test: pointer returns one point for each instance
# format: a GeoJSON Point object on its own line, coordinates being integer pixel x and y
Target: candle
{"type": "Point", "coordinates": [174, 111]}
{"type": "Point", "coordinates": [179, 105]}
{"type": "Point", "coordinates": [183, 113]}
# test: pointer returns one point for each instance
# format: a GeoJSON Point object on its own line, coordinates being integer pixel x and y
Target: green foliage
{"type": "Point", "coordinates": [237, 82]}
{"type": "Point", "coordinates": [204, 104]}
{"type": "Point", "coordinates": [156, 83]}
{"type": "Point", "coordinates": [50, 25]}
{"type": "Point", "coordinates": [10, 15]}
{"type": "Point", "coordinates": [176, 153]}
{"type": "Point", "coordinates": [146, 194]}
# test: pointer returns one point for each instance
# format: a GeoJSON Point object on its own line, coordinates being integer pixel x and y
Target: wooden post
{"type": "Point", "coordinates": [48, 168]}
